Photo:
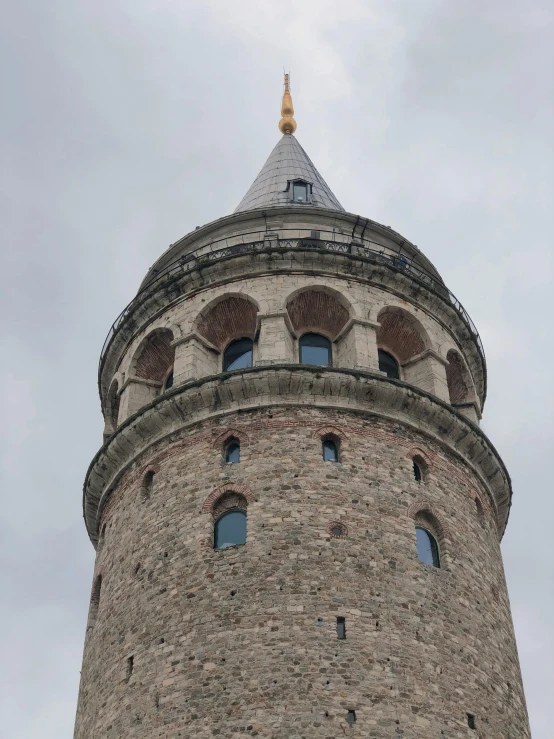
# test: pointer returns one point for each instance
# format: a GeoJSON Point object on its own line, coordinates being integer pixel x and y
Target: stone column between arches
{"type": "Point", "coordinates": [428, 372]}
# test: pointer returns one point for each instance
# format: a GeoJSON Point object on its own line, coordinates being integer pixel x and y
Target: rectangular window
{"type": "Point", "coordinates": [341, 627]}
{"type": "Point", "coordinates": [130, 665]}
{"type": "Point", "coordinates": [300, 192]}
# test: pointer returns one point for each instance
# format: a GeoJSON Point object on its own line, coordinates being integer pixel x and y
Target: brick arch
{"type": "Point", "coordinates": [318, 309]}
{"type": "Point", "coordinates": [209, 504]}
{"type": "Point", "coordinates": [230, 434]}
{"type": "Point", "coordinates": [226, 318]}
{"type": "Point", "coordinates": [401, 334]}
{"type": "Point", "coordinates": [154, 356]}
{"type": "Point", "coordinates": [457, 378]}
{"type": "Point", "coordinates": [424, 512]}
{"type": "Point", "coordinates": [324, 431]}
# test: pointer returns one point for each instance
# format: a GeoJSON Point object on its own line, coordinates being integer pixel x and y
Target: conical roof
{"type": "Point", "coordinates": [288, 161]}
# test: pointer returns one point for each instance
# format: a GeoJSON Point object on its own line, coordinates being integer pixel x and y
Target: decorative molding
{"type": "Point", "coordinates": [425, 507]}
{"type": "Point", "coordinates": [424, 355]}
{"type": "Point", "coordinates": [198, 337]}
{"type": "Point", "coordinates": [292, 385]}
{"type": "Point", "coordinates": [213, 497]}
{"type": "Point", "coordinates": [356, 321]}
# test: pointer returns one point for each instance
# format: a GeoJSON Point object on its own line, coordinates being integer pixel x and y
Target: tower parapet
{"type": "Point", "coordinates": [296, 515]}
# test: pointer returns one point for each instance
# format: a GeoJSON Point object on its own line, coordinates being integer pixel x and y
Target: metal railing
{"type": "Point", "coordinates": [400, 259]}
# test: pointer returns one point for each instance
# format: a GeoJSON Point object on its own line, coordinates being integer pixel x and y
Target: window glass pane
{"type": "Point", "coordinates": [427, 548]}
{"type": "Point", "coordinates": [299, 192]}
{"type": "Point", "coordinates": [315, 349]}
{"type": "Point", "coordinates": [388, 364]}
{"type": "Point", "coordinates": [238, 355]}
{"type": "Point", "coordinates": [330, 453]}
{"type": "Point", "coordinates": [232, 454]}
{"type": "Point", "coordinates": [230, 530]}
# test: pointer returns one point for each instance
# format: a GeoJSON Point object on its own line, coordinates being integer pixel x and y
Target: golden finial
{"type": "Point", "coordinates": [287, 124]}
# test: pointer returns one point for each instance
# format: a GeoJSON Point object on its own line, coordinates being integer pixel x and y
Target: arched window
{"type": "Point", "coordinates": [169, 381]}
{"type": "Point", "coordinates": [230, 529]}
{"type": "Point", "coordinates": [238, 355]}
{"type": "Point", "coordinates": [232, 451]}
{"type": "Point", "coordinates": [389, 365]}
{"type": "Point", "coordinates": [418, 475]}
{"type": "Point", "coordinates": [330, 451]}
{"type": "Point", "coordinates": [315, 349]}
{"type": "Point", "coordinates": [427, 547]}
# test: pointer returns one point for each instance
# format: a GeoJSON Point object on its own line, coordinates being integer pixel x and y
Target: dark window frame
{"type": "Point", "coordinates": [229, 361]}
{"type": "Point", "coordinates": [433, 546]}
{"type": "Point", "coordinates": [326, 343]}
{"type": "Point", "coordinates": [217, 524]}
{"type": "Point", "coordinates": [232, 445]}
{"type": "Point", "coordinates": [389, 364]}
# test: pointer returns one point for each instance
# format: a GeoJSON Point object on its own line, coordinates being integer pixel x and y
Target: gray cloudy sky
{"type": "Point", "coordinates": [126, 123]}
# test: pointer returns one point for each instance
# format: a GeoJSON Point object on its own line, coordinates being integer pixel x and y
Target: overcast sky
{"type": "Point", "coordinates": [125, 124]}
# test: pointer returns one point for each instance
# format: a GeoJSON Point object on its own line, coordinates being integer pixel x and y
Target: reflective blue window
{"type": "Point", "coordinates": [330, 451]}
{"type": "Point", "coordinates": [230, 530]}
{"type": "Point", "coordinates": [238, 355]}
{"type": "Point", "coordinates": [315, 349]}
{"type": "Point", "coordinates": [232, 453]}
{"type": "Point", "coordinates": [388, 364]}
{"type": "Point", "coordinates": [427, 547]}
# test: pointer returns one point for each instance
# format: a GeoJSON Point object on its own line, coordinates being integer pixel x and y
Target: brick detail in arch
{"type": "Point", "coordinates": [418, 452]}
{"type": "Point", "coordinates": [212, 498]}
{"type": "Point", "coordinates": [324, 431]}
{"type": "Point", "coordinates": [155, 468]}
{"type": "Point", "coordinates": [314, 310]}
{"type": "Point", "coordinates": [230, 433]}
{"type": "Point", "coordinates": [156, 355]}
{"type": "Point", "coordinates": [401, 333]}
{"type": "Point", "coordinates": [424, 507]}
{"type": "Point", "coordinates": [231, 318]}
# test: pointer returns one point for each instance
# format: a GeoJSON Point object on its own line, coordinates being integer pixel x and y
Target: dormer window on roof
{"type": "Point", "coordinates": [299, 191]}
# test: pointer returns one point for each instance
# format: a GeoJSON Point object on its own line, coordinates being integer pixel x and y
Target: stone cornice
{"type": "Point", "coordinates": [293, 385]}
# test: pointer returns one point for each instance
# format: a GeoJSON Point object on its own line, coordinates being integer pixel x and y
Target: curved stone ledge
{"type": "Point", "coordinates": [273, 261]}
{"type": "Point", "coordinates": [293, 385]}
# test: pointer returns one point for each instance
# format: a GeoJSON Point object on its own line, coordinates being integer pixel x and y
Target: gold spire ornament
{"type": "Point", "coordinates": [287, 124]}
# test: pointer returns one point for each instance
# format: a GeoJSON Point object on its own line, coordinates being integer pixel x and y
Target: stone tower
{"type": "Point", "coordinates": [296, 515]}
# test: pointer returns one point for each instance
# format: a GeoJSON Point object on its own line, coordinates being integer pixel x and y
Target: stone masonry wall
{"type": "Point", "coordinates": [186, 641]}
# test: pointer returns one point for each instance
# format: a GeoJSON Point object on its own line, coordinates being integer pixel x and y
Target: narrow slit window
{"type": "Point", "coordinates": [417, 472]}
{"type": "Point", "coordinates": [351, 717]}
{"type": "Point", "coordinates": [232, 452]}
{"type": "Point", "coordinates": [471, 721]}
{"type": "Point", "coordinates": [330, 451]}
{"type": "Point", "coordinates": [427, 547]}
{"type": "Point", "coordinates": [130, 666]}
{"type": "Point", "coordinates": [341, 627]}
{"type": "Point", "coordinates": [169, 381]}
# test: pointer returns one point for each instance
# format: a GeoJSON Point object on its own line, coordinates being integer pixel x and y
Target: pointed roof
{"type": "Point", "coordinates": [288, 161]}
